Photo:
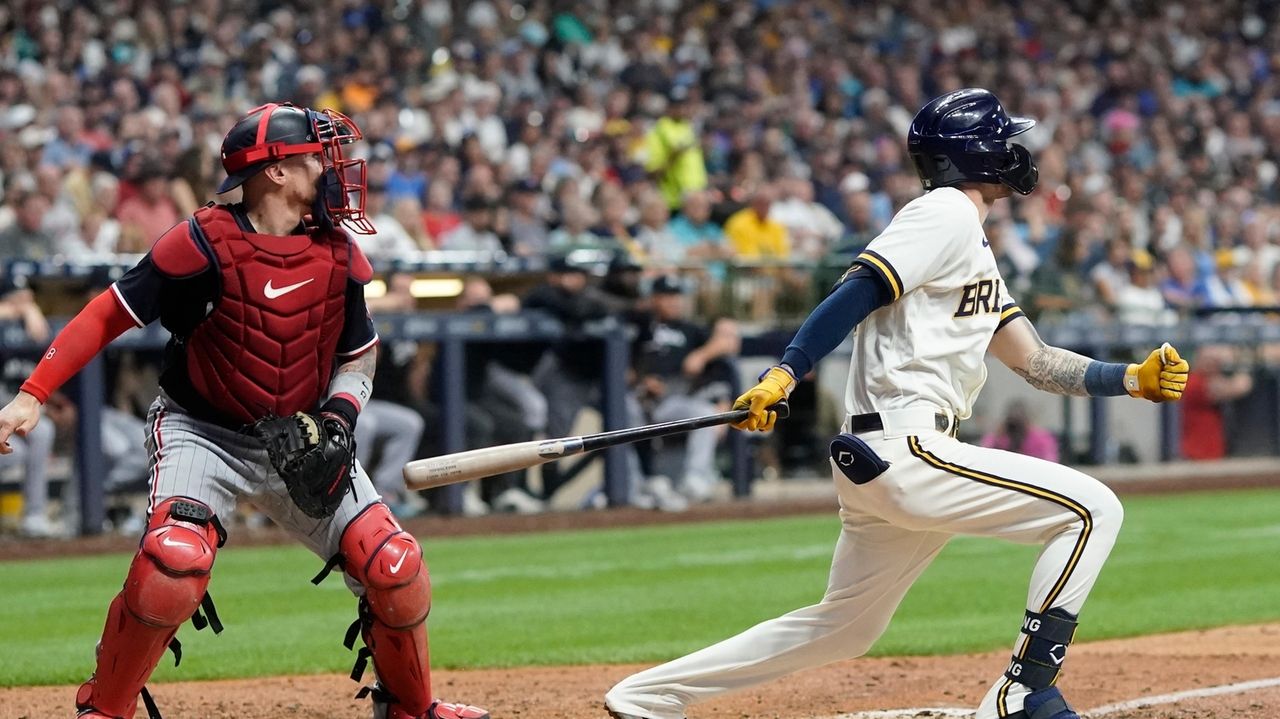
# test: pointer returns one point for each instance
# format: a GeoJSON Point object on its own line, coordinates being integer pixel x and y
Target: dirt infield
{"type": "Point", "coordinates": [1099, 674]}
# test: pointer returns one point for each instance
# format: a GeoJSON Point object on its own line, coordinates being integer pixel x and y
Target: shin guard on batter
{"type": "Point", "coordinates": [164, 588]}
{"type": "Point", "coordinates": [1038, 663]}
{"type": "Point", "coordinates": [387, 562]}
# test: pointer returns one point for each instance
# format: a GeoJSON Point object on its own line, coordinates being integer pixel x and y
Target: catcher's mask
{"type": "Point", "coordinates": [272, 132]}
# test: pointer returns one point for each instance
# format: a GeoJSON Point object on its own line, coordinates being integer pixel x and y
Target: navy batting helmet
{"type": "Point", "coordinates": [962, 136]}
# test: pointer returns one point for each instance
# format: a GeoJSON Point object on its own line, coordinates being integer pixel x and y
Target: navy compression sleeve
{"type": "Point", "coordinates": [1105, 379]}
{"type": "Point", "coordinates": [860, 294]}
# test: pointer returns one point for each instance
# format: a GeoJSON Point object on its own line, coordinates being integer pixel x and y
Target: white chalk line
{"type": "Point", "coordinates": [1237, 688]}
{"type": "Point", "coordinates": [1155, 700]}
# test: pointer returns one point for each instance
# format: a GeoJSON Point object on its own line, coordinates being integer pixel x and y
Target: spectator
{"type": "Point", "coordinates": [147, 214]}
{"type": "Point", "coordinates": [673, 151]}
{"type": "Point", "coordinates": [391, 239]}
{"type": "Point", "coordinates": [1018, 433]}
{"type": "Point", "coordinates": [27, 238]}
{"type": "Point", "coordinates": [754, 234]}
{"type": "Point", "coordinates": [682, 371]}
{"type": "Point", "coordinates": [1139, 302]}
{"type": "Point", "coordinates": [527, 219]}
{"type": "Point", "coordinates": [1111, 276]}
{"type": "Point", "coordinates": [701, 238]}
{"type": "Point", "coordinates": [61, 221]}
{"type": "Point", "coordinates": [812, 228]}
{"type": "Point", "coordinates": [1182, 288]}
{"type": "Point", "coordinates": [439, 218]}
{"type": "Point", "coordinates": [1226, 288]}
{"type": "Point", "coordinates": [657, 245]}
{"type": "Point", "coordinates": [408, 212]}
{"type": "Point", "coordinates": [475, 234]}
{"type": "Point", "coordinates": [1217, 381]}
{"type": "Point", "coordinates": [99, 228]}
{"type": "Point", "coordinates": [573, 233]}
{"type": "Point", "coordinates": [1058, 286]}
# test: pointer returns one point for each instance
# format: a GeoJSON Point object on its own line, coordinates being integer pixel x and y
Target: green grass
{"type": "Point", "coordinates": [648, 594]}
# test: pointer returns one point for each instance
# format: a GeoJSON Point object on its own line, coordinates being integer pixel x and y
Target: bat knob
{"type": "Point", "coordinates": [782, 408]}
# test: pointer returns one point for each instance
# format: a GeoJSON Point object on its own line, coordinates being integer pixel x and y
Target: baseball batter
{"type": "Point", "coordinates": [270, 362]}
{"type": "Point", "coordinates": [931, 304]}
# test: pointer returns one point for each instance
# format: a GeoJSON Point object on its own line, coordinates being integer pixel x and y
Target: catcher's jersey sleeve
{"type": "Point", "coordinates": [358, 333]}
{"type": "Point", "coordinates": [923, 241]}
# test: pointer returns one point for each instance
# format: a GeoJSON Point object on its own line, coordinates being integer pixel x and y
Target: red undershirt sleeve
{"type": "Point", "coordinates": [101, 321]}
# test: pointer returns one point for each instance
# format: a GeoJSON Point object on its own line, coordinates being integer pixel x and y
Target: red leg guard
{"type": "Point", "coordinates": [387, 562]}
{"type": "Point", "coordinates": [165, 584]}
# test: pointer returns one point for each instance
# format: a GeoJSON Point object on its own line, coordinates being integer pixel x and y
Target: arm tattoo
{"type": "Point", "coordinates": [366, 364]}
{"type": "Point", "coordinates": [1056, 370]}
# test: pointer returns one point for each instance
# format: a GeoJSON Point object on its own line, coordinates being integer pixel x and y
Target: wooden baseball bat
{"type": "Point", "coordinates": [488, 461]}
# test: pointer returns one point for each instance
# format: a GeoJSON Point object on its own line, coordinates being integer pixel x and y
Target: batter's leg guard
{"type": "Point", "coordinates": [1038, 664]}
{"type": "Point", "coordinates": [164, 588]}
{"type": "Point", "coordinates": [387, 562]}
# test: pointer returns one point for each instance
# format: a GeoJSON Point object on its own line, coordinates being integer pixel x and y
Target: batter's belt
{"type": "Point", "coordinates": [901, 421]}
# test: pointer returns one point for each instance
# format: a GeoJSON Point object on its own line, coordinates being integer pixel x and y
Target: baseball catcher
{"type": "Point", "coordinates": [269, 364]}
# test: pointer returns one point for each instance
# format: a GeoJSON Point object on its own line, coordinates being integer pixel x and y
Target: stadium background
{"type": "Point", "coordinates": [551, 124]}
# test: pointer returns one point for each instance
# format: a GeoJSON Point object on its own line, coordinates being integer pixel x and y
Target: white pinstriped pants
{"type": "Point", "coordinates": [892, 528]}
{"type": "Point", "coordinates": [214, 465]}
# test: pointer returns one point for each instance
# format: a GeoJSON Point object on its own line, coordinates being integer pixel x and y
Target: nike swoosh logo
{"type": "Point", "coordinates": [274, 292]}
{"type": "Point", "coordinates": [985, 243]}
{"type": "Point", "coordinates": [170, 543]}
{"type": "Point", "coordinates": [399, 563]}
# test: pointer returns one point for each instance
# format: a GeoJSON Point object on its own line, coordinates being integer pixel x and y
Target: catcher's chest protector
{"type": "Point", "coordinates": [268, 345]}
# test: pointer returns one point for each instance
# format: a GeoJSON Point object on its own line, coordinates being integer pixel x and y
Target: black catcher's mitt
{"type": "Point", "coordinates": [314, 456]}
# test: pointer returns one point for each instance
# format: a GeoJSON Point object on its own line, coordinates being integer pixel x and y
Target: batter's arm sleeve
{"type": "Point", "coordinates": [859, 293]}
{"type": "Point", "coordinates": [101, 321]}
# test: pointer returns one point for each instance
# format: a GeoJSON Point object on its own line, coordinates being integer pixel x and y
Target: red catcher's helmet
{"type": "Point", "coordinates": [272, 132]}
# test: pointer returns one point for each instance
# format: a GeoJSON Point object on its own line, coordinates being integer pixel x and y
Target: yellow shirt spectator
{"type": "Point", "coordinates": [673, 153]}
{"type": "Point", "coordinates": [753, 235]}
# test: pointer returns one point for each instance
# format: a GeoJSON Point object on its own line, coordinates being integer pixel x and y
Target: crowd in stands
{"type": "Point", "coordinates": [675, 135]}
{"type": "Point", "coordinates": [679, 133]}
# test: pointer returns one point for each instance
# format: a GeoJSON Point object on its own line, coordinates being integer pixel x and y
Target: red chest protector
{"type": "Point", "coordinates": [268, 345]}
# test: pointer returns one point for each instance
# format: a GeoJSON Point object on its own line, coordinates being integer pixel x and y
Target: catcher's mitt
{"type": "Point", "coordinates": [314, 456]}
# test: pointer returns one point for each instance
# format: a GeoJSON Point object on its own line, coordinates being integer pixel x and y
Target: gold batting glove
{"type": "Point", "coordinates": [774, 387]}
{"type": "Point", "coordinates": [1160, 378]}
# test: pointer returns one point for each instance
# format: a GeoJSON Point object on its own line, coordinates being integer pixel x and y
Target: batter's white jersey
{"type": "Point", "coordinates": [927, 346]}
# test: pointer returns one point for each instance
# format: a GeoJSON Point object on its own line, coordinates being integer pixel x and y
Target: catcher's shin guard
{"type": "Point", "coordinates": [387, 562]}
{"type": "Point", "coordinates": [164, 588]}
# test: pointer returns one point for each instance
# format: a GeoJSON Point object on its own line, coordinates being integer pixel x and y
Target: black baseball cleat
{"type": "Point", "coordinates": [1045, 703]}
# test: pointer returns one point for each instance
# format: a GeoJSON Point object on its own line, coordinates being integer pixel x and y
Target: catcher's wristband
{"type": "Point", "coordinates": [348, 394]}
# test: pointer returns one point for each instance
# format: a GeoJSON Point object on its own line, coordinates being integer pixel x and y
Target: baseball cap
{"type": "Point", "coordinates": [266, 135]}
{"type": "Point", "coordinates": [667, 285]}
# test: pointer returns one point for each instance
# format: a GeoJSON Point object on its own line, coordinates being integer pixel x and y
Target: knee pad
{"type": "Point", "coordinates": [387, 562]}
{"type": "Point", "coordinates": [1048, 636]}
{"type": "Point", "coordinates": [170, 573]}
